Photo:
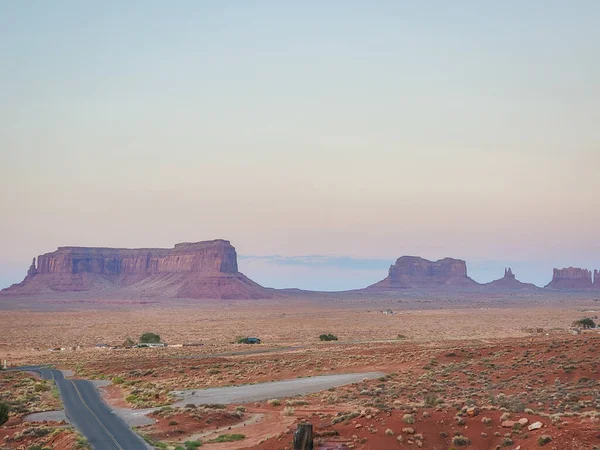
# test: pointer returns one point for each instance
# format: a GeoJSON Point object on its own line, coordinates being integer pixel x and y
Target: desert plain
{"type": "Point", "coordinates": [474, 371]}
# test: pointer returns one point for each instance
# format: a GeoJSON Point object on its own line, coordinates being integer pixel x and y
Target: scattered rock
{"type": "Point", "coordinates": [535, 426]}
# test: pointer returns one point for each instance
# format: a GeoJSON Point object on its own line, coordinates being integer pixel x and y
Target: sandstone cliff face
{"type": "Point", "coordinates": [597, 278]}
{"type": "Point", "coordinates": [509, 282]}
{"type": "Point", "coordinates": [196, 270]}
{"type": "Point", "coordinates": [571, 278]}
{"type": "Point", "coordinates": [416, 272]}
{"type": "Point", "coordinates": [211, 256]}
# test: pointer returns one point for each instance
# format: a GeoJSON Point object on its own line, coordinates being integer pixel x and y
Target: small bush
{"type": "Point", "coordinates": [4, 410]}
{"type": "Point", "coordinates": [544, 439]}
{"type": "Point", "coordinates": [149, 338]}
{"type": "Point", "coordinates": [584, 323]}
{"type": "Point", "coordinates": [408, 418]}
{"type": "Point", "coordinates": [461, 440]}
{"type": "Point", "coordinates": [328, 337]}
{"type": "Point", "coordinates": [288, 411]}
{"type": "Point", "coordinates": [228, 438]}
{"type": "Point", "coordinates": [191, 445]}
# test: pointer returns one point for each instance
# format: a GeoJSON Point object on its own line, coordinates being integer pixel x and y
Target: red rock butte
{"type": "Point", "coordinates": [572, 278]}
{"type": "Point", "coordinates": [416, 272]}
{"type": "Point", "coordinates": [206, 270]}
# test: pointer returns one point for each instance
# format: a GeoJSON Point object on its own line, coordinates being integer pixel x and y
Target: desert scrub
{"type": "Point", "coordinates": [342, 417]}
{"type": "Point", "coordinates": [461, 440]}
{"type": "Point", "coordinates": [288, 411]}
{"type": "Point", "coordinates": [274, 402]}
{"type": "Point", "coordinates": [544, 439]}
{"type": "Point", "coordinates": [408, 418]}
{"type": "Point", "coordinates": [228, 438]}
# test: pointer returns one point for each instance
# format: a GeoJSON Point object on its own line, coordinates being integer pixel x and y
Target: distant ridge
{"type": "Point", "coordinates": [209, 270]}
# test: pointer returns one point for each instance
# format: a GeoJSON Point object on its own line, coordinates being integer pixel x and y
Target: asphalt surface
{"type": "Point", "coordinates": [274, 389]}
{"type": "Point", "coordinates": [88, 413]}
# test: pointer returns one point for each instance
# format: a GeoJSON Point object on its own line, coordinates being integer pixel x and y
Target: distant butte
{"type": "Point", "coordinates": [572, 278]}
{"type": "Point", "coordinates": [415, 272]}
{"type": "Point", "coordinates": [509, 282]}
{"type": "Point", "coordinates": [206, 270]}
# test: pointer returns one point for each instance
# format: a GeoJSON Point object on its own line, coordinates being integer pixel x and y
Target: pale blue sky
{"type": "Point", "coordinates": [362, 129]}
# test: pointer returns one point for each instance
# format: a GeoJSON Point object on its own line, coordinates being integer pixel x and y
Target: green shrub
{"type": "Point", "coordinates": [191, 445]}
{"type": "Point", "coordinates": [328, 337]}
{"type": "Point", "coordinates": [585, 323]}
{"type": "Point", "coordinates": [228, 438]}
{"type": "Point", "coordinates": [461, 440]}
{"type": "Point", "coordinates": [149, 338]}
{"type": "Point", "coordinates": [4, 410]}
{"type": "Point", "coordinates": [544, 439]}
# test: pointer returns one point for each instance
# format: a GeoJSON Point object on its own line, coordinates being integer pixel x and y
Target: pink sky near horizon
{"type": "Point", "coordinates": [328, 128]}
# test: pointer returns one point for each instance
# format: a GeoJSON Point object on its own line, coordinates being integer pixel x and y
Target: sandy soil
{"type": "Point", "coordinates": [489, 355]}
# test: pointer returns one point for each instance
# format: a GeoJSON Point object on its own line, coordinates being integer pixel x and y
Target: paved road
{"type": "Point", "coordinates": [88, 413]}
{"type": "Point", "coordinates": [274, 389]}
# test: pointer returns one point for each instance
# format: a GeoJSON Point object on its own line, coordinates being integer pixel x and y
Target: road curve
{"type": "Point", "coordinates": [88, 413]}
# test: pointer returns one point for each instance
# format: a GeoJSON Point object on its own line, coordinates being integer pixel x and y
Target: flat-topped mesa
{"type": "Point", "coordinates": [509, 282]}
{"type": "Point", "coordinates": [571, 278]}
{"type": "Point", "coordinates": [216, 256]}
{"type": "Point", "coordinates": [597, 279]}
{"type": "Point", "coordinates": [196, 270]}
{"type": "Point", "coordinates": [416, 272]}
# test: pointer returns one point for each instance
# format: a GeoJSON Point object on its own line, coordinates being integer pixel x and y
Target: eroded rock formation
{"type": "Point", "coordinates": [189, 270]}
{"type": "Point", "coordinates": [509, 282]}
{"type": "Point", "coordinates": [597, 278]}
{"type": "Point", "coordinates": [416, 272]}
{"type": "Point", "coordinates": [571, 278]}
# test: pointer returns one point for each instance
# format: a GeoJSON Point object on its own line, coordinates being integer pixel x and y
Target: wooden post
{"type": "Point", "coordinates": [303, 437]}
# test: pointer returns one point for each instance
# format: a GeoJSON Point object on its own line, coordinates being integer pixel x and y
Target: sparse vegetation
{"type": "Point", "coordinates": [228, 438]}
{"type": "Point", "coordinates": [4, 410]}
{"type": "Point", "coordinates": [461, 440]}
{"type": "Point", "coordinates": [585, 323]}
{"type": "Point", "coordinates": [150, 338]}
{"type": "Point", "coordinates": [328, 337]}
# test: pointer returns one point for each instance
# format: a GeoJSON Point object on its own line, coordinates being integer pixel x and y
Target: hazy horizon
{"type": "Point", "coordinates": [355, 132]}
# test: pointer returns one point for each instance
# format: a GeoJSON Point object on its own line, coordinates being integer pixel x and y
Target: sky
{"type": "Point", "coordinates": [323, 138]}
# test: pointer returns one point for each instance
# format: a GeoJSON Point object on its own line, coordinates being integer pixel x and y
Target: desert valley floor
{"type": "Point", "coordinates": [472, 372]}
